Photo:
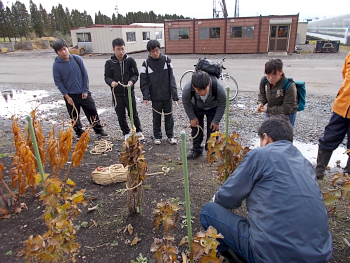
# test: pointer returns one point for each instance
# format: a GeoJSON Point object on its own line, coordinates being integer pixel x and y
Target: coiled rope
{"type": "Point", "coordinates": [102, 146]}
{"type": "Point", "coordinates": [198, 128]}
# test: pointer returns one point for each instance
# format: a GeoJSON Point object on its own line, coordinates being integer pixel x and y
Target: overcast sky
{"type": "Point", "coordinates": [203, 8]}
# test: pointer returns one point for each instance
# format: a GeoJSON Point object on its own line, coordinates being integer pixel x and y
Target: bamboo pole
{"type": "Point", "coordinates": [187, 191]}
{"type": "Point", "coordinates": [227, 122]}
{"type": "Point", "coordinates": [36, 150]}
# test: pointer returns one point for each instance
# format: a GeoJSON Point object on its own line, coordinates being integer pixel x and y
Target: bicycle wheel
{"type": "Point", "coordinates": [228, 81]}
{"type": "Point", "coordinates": [185, 78]}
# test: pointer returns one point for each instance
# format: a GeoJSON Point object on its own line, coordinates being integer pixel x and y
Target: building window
{"type": "Point", "coordinates": [179, 33]}
{"type": "Point", "coordinates": [130, 37]}
{"type": "Point", "coordinates": [159, 35]}
{"type": "Point", "coordinates": [84, 37]}
{"type": "Point", "coordinates": [209, 32]}
{"type": "Point", "coordinates": [242, 31]}
{"type": "Point", "coordinates": [146, 35]}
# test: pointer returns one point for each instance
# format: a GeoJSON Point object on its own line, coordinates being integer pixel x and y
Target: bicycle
{"type": "Point", "coordinates": [225, 78]}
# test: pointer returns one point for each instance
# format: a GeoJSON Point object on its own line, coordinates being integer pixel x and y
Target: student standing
{"type": "Point", "coordinates": [158, 85]}
{"type": "Point", "coordinates": [338, 126]}
{"type": "Point", "coordinates": [121, 70]}
{"type": "Point", "coordinates": [71, 78]}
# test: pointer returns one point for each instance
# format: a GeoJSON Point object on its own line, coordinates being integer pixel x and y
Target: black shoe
{"type": "Point", "coordinates": [103, 134]}
{"type": "Point", "coordinates": [193, 155]}
{"type": "Point", "coordinates": [231, 256]}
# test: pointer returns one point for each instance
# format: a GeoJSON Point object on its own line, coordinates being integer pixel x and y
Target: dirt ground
{"type": "Point", "coordinates": [107, 241]}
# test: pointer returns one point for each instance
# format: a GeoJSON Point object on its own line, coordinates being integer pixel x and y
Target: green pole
{"type": "Point", "coordinates": [187, 191]}
{"type": "Point", "coordinates": [130, 108]}
{"type": "Point", "coordinates": [227, 122]}
{"type": "Point", "coordinates": [36, 150]}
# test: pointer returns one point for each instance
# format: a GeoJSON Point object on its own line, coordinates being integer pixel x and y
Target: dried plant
{"type": "Point", "coordinates": [230, 154]}
{"type": "Point", "coordinates": [132, 157]}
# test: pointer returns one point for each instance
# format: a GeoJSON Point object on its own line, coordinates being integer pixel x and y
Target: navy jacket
{"type": "Point", "coordinates": [288, 220]}
{"type": "Point", "coordinates": [69, 77]}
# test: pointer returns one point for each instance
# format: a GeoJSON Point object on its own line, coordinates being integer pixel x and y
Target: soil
{"type": "Point", "coordinates": [107, 242]}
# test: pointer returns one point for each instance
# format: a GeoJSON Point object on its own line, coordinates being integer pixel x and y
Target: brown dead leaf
{"type": "Point", "coordinates": [135, 241]}
{"type": "Point", "coordinates": [94, 224]}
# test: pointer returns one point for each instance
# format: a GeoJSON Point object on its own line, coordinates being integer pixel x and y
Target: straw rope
{"type": "Point", "coordinates": [102, 146]}
{"type": "Point", "coordinates": [115, 173]}
{"type": "Point", "coordinates": [198, 128]}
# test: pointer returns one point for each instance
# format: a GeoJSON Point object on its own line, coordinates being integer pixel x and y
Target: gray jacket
{"type": "Point", "coordinates": [211, 102]}
{"type": "Point", "coordinates": [287, 217]}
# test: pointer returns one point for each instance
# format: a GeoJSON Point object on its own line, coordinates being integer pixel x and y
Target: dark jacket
{"type": "Point", "coordinates": [69, 76]}
{"type": "Point", "coordinates": [124, 72]}
{"type": "Point", "coordinates": [157, 79]}
{"type": "Point", "coordinates": [278, 100]}
{"type": "Point", "coordinates": [287, 217]}
{"type": "Point", "coordinates": [218, 102]}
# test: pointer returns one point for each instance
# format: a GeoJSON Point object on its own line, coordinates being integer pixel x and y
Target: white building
{"type": "Point", "coordinates": [98, 38]}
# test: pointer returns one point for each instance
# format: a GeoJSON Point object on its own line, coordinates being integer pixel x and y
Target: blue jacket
{"type": "Point", "coordinates": [288, 220]}
{"type": "Point", "coordinates": [69, 77]}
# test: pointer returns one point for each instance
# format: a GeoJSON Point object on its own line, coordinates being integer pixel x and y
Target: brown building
{"type": "Point", "coordinates": [260, 34]}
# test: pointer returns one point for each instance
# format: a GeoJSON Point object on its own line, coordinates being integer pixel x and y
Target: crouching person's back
{"type": "Point", "coordinates": [287, 220]}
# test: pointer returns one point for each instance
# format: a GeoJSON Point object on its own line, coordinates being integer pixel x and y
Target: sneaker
{"type": "Point", "coordinates": [193, 155]}
{"type": "Point", "coordinates": [103, 134]}
{"type": "Point", "coordinates": [140, 134]}
{"type": "Point", "coordinates": [172, 140]}
{"type": "Point", "coordinates": [157, 141]}
{"type": "Point", "coordinates": [126, 136]}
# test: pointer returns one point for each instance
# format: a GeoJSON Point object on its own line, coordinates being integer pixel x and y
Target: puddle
{"type": "Point", "coordinates": [22, 102]}
{"type": "Point", "coordinates": [310, 152]}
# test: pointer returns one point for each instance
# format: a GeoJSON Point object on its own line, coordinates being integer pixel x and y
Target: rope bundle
{"type": "Point", "coordinates": [115, 173]}
{"type": "Point", "coordinates": [102, 146]}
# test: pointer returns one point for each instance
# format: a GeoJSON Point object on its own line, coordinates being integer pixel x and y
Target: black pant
{"type": "Point", "coordinates": [89, 109]}
{"type": "Point", "coordinates": [197, 141]}
{"type": "Point", "coordinates": [122, 103]}
{"type": "Point", "coordinates": [334, 133]}
{"type": "Point", "coordinates": [166, 106]}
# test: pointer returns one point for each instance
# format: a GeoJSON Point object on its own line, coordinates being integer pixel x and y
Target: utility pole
{"type": "Point", "coordinates": [236, 8]}
{"type": "Point", "coordinates": [223, 7]}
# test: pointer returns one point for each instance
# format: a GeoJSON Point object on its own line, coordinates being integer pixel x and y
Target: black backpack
{"type": "Point", "coordinates": [208, 66]}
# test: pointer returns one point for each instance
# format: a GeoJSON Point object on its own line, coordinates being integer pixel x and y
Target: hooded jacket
{"type": "Point", "coordinates": [124, 72]}
{"type": "Point", "coordinates": [157, 79]}
{"type": "Point", "coordinates": [278, 100]}
{"type": "Point", "coordinates": [342, 102]}
{"type": "Point", "coordinates": [71, 76]}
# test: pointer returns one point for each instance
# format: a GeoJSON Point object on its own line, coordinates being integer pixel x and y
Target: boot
{"type": "Point", "coordinates": [323, 158]}
{"type": "Point", "coordinates": [347, 167]}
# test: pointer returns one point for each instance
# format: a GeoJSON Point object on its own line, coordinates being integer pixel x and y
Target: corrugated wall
{"type": "Point", "coordinates": [226, 43]}
{"type": "Point", "coordinates": [180, 46]}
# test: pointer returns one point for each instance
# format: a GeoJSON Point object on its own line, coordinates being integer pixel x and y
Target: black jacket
{"type": "Point", "coordinates": [123, 72]}
{"type": "Point", "coordinates": [157, 79]}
